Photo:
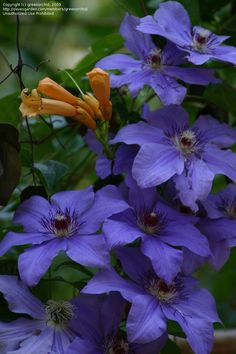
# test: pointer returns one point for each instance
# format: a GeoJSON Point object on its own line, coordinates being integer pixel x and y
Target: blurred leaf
{"type": "Point", "coordinates": [193, 10]}
{"type": "Point", "coordinates": [9, 109]}
{"type": "Point", "coordinates": [10, 165]}
{"type": "Point", "coordinates": [51, 174]}
{"type": "Point", "coordinates": [103, 47]}
{"type": "Point", "coordinates": [175, 330]}
{"type": "Point", "coordinates": [223, 96]}
{"type": "Point", "coordinates": [134, 7]}
{"type": "Point", "coordinates": [170, 348]}
{"type": "Point", "coordinates": [32, 190]}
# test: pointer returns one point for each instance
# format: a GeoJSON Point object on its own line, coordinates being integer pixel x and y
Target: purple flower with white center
{"type": "Point", "coordinates": [160, 229]}
{"type": "Point", "coordinates": [172, 22]}
{"type": "Point", "coordinates": [220, 226]}
{"type": "Point", "coordinates": [68, 223]}
{"type": "Point", "coordinates": [98, 327]}
{"type": "Point", "coordinates": [154, 67]}
{"type": "Point", "coordinates": [154, 302]}
{"type": "Point", "coordinates": [48, 329]}
{"type": "Point", "coordinates": [170, 148]}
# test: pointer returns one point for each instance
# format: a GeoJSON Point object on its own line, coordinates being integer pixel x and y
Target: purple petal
{"type": "Point", "coordinates": [221, 161]}
{"type": "Point", "coordinates": [137, 42]}
{"type": "Point", "coordinates": [200, 333]}
{"type": "Point", "coordinates": [166, 260]}
{"type": "Point", "coordinates": [18, 239]}
{"type": "Point", "coordinates": [191, 262]}
{"type": "Point", "coordinates": [125, 155]}
{"type": "Point", "coordinates": [146, 321]}
{"type": "Point", "coordinates": [164, 118]}
{"type": "Point", "coordinates": [122, 62]}
{"type": "Point", "coordinates": [93, 143]}
{"type": "Point", "coordinates": [62, 339]}
{"type": "Point", "coordinates": [90, 251]}
{"type": "Point", "coordinates": [134, 263]}
{"type": "Point", "coordinates": [108, 201]}
{"type": "Point", "coordinates": [140, 133]}
{"type": "Point", "coordinates": [37, 343]}
{"type": "Point", "coordinates": [168, 89]}
{"type": "Point", "coordinates": [103, 167]}
{"type": "Point", "coordinates": [225, 53]}
{"type": "Point", "coordinates": [84, 346]}
{"type": "Point", "coordinates": [155, 164]}
{"type": "Point", "coordinates": [198, 58]}
{"type": "Point", "coordinates": [135, 80]}
{"type": "Point", "coordinates": [152, 347]}
{"type": "Point", "coordinates": [223, 135]}
{"type": "Point", "coordinates": [108, 280]}
{"type": "Point", "coordinates": [76, 200]}
{"type": "Point", "coordinates": [191, 75]}
{"type": "Point", "coordinates": [195, 184]}
{"type": "Point", "coordinates": [35, 261]}
{"type": "Point", "coordinates": [35, 208]}
{"type": "Point", "coordinates": [185, 235]}
{"type": "Point", "coordinates": [17, 331]}
{"type": "Point", "coordinates": [199, 303]}
{"type": "Point", "coordinates": [121, 229]}
{"type": "Point", "coordinates": [171, 55]}
{"type": "Point", "coordinates": [19, 298]}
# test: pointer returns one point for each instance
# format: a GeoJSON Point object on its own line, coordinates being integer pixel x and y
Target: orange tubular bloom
{"type": "Point", "coordinates": [33, 104]}
{"type": "Point", "coordinates": [53, 90]}
{"type": "Point", "coordinates": [85, 118]}
{"type": "Point", "coordinates": [100, 84]}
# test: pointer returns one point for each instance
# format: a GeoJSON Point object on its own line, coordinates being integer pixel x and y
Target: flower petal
{"type": "Point", "coordinates": [35, 261]}
{"type": "Point", "coordinates": [191, 75]}
{"type": "Point", "coordinates": [122, 62]}
{"type": "Point", "coordinates": [146, 321]}
{"type": "Point", "coordinates": [166, 260]}
{"type": "Point", "coordinates": [90, 251]}
{"type": "Point", "coordinates": [76, 200]}
{"type": "Point", "coordinates": [17, 239]}
{"type": "Point", "coordinates": [155, 164]}
{"type": "Point", "coordinates": [20, 298]}
{"type": "Point", "coordinates": [138, 43]}
{"type": "Point", "coordinates": [168, 89]}
{"type": "Point", "coordinates": [121, 229]}
{"type": "Point", "coordinates": [140, 133]}
{"type": "Point", "coordinates": [108, 280]}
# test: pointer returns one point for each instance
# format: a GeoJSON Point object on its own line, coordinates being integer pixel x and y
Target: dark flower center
{"type": "Point", "coordinates": [201, 38]}
{"type": "Point", "coordinates": [58, 313]}
{"type": "Point", "coordinates": [149, 222]}
{"type": "Point", "coordinates": [153, 60]}
{"type": "Point", "coordinates": [61, 223]}
{"type": "Point", "coordinates": [117, 346]}
{"type": "Point", "coordinates": [230, 208]}
{"type": "Point", "coordinates": [186, 142]}
{"type": "Point", "coordinates": [160, 290]}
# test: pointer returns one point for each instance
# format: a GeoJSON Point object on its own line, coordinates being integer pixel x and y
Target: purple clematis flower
{"type": "Point", "coordinates": [68, 223]}
{"type": "Point", "coordinates": [170, 148]}
{"type": "Point", "coordinates": [153, 67]}
{"type": "Point", "coordinates": [160, 229]}
{"type": "Point", "coordinates": [98, 326]}
{"type": "Point", "coordinates": [48, 329]}
{"type": "Point", "coordinates": [220, 226]}
{"type": "Point", "coordinates": [154, 302]}
{"type": "Point", "coordinates": [172, 22]}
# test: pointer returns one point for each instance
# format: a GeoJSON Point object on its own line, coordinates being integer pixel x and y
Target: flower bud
{"type": "Point", "coordinates": [53, 90]}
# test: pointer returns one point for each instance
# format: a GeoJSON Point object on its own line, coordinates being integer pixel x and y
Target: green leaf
{"type": "Point", "coordinates": [134, 7]}
{"type": "Point", "coordinates": [103, 47]}
{"type": "Point", "coordinates": [9, 109]}
{"type": "Point", "coordinates": [170, 348]}
{"type": "Point", "coordinates": [193, 9]}
{"type": "Point", "coordinates": [51, 174]}
{"type": "Point", "coordinates": [175, 330]}
{"type": "Point", "coordinates": [223, 96]}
